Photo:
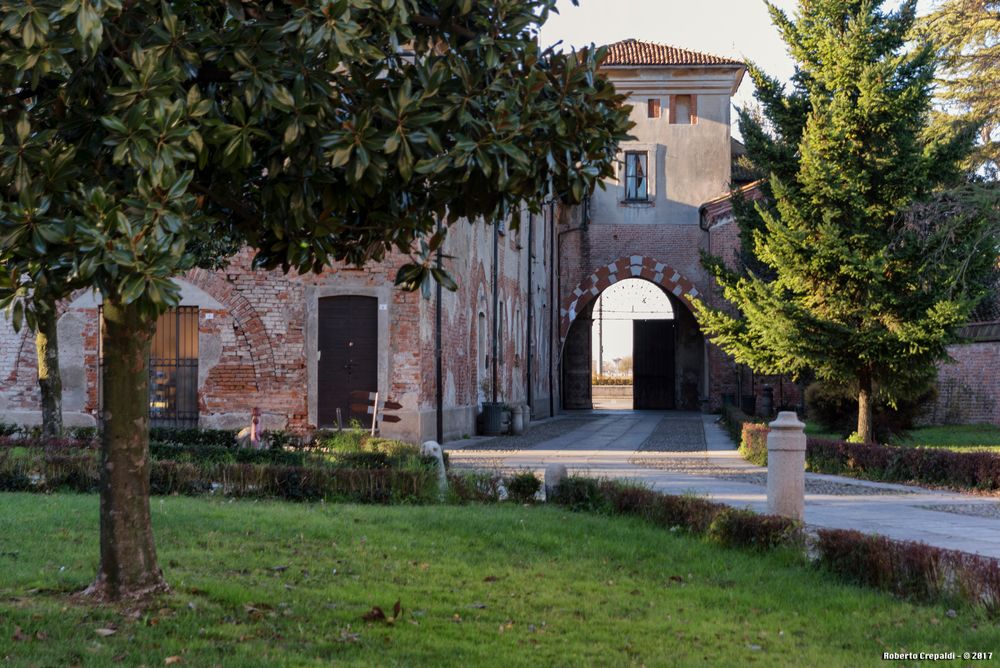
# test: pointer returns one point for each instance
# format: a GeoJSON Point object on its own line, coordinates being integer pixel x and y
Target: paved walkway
{"type": "Point", "coordinates": [663, 451]}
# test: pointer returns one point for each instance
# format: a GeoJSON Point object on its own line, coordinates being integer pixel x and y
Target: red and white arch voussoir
{"type": "Point", "coordinates": [630, 266]}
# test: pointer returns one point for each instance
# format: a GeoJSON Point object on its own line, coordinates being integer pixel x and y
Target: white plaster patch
{"type": "Point", "coordinates": [636, 259]}
{"type": "Point", "coordinates": [613, 268]}
{"type": "Point", "coordinates": [594, 291]}
{"type": "Point", "coordinates": [676, 277]}
{"type": "Point", "coordinates": [694, 293]}
{"type": "Point", "coordinates": [612, 279]}
{"type": "Point", "coordinates": [659, 267]}
{"type": "Point", "coordinates": [578, 292]}
{"type": "Point", "coordinates": [677, 290]}
{"type": "Point", "coordinates": [636, 271]}
{"type": "Point", "coordinates": [658, 278]}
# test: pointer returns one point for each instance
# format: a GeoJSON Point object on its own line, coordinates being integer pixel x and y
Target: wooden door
{"type": "Point", "coordinates": [348, 355]}
{"type": "Point", "coordinates": [653, 364]}
{"type": "Point", "coordinates": [576, 374]}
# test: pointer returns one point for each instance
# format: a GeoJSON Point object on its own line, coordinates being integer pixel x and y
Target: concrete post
{"type": "Point", "coordinates": [554, 474]}
{"type": "Point", "coordinates": [433, 449]}
{"type": "Point", "coordinates": [786, 460]}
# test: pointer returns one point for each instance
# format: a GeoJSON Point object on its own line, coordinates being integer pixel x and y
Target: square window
{"type": "Point", "coordinates": [653, 107]}
{"type": "Point", "coordinates": [636, 176]}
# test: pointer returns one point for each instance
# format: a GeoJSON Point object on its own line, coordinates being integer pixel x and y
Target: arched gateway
{"type": "Point", "coordinates": [677, 351]}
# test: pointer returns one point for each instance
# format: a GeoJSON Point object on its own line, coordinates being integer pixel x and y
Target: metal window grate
{"type": "Point", "coordinates": [173, 369]}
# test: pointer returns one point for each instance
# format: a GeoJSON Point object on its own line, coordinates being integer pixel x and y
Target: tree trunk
{"type": "Point", "coordinates": [128, 555]}
{"type": "Point", "coordinates": [49, 380]}
{"type": "Point", "coordinates": [865, 409]}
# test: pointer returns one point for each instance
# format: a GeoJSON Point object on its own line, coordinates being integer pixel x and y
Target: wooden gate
{"type": "Point", "coordinates": [576, 364]}
{"type": "Point", "coordinates": [653, 364]}
{"type": "Point", "coordinates": [347, 358]}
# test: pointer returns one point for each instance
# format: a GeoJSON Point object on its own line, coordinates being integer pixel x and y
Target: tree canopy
{"type": "Point", "coordinates": [966, 34]}
{"type": "Point", "coordinates": [136, 133]}
{"type": "Point", "coordinates": [851, 287]}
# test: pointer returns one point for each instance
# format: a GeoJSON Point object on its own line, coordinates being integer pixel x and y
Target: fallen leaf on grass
{"type": "Point", "coordinates": [171, 660]}
{"type": "Point", "coordinates": [376, 614]}
{"type": "Point", "coordinates": [347, 636]}
{"type": "Point", "coordinates": [490, 578]}
{"type": "Point", "coordinates": [20, 635]}
{"type": "Point", "coordinates": [676, 578]}
{"type": "Point", "coordinates": [105, 632]}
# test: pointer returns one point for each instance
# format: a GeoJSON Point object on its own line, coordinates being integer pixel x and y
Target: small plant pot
{"type": "Point", "coordinates": [493, 418]}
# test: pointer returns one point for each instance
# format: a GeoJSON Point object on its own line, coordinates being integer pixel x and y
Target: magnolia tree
{"type": "Point", "coordinates": [135, 132]}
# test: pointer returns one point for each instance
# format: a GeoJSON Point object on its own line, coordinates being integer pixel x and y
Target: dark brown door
{"type": "Point", "coordinates": [576, 364]}
{"type": "Point", "coordinates": [348, 355]}
{"type": "Point", "coordinates": [653, 364]}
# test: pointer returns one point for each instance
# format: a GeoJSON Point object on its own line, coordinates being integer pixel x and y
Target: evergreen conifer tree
{"type": "Point", "coordinates": [854, 289]}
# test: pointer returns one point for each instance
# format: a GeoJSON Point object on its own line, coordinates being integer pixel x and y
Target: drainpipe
{"type": "Point", "coordinates": [553, 297]}
{"type": "Point", "coordinates": [528, 347]}
{"type": "Point", "coordinates": [496, 306]}
{"type": "Point", "coordinates": [438, 362]}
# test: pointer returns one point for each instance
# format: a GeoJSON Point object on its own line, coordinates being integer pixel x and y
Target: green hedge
{"type": "Point", "coordinates": [79, 473]}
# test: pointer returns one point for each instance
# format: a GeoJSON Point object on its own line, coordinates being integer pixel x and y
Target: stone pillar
{"type": "Point", "coordinates": [554, 474]}
{"type": "Point", "coordinates": [433, 449]}
{"type": "Point", "coordinates": [786, 459]}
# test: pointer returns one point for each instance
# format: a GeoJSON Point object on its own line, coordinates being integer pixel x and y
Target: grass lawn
{"type": "Point", "coordinates": [287, 584]}
{"type": "Point", "coordinates": [955, 437]}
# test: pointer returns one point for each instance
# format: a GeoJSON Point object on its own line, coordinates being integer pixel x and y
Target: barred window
{"type": "Point", "coordinates": [173, 369]}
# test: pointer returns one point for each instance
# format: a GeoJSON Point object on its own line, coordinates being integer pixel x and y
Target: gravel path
{"type": "Point", "coordinates": [704, 467]}
{"type": "Point", "coordinates": [534, 434]}
{"type": "Point", "coordinates": [676, 434]}
{"type": "Point", "coordinates": [991, 510]}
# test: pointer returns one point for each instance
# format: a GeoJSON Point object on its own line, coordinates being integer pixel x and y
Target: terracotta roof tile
{"type": "Point", "coordinates": [634, 52]}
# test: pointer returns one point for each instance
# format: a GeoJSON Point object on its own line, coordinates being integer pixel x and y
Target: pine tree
{"type": "Point", "coordinates": [854, 290]}
{"type": "Point", "coordinates": [967, 36]}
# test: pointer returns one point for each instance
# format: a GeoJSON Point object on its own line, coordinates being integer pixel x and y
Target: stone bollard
{"type": "Point", "coordinates": [554, 474]}
{"type": "Point", "coordinates": [786, 459]}
{"type": "Point", "coordinates": [433, 449]}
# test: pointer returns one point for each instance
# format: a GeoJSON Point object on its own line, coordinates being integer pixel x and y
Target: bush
{"type": "Point", "coordinates": [362, 460]}
{"type": "Point", "coordinates": [932, 466]}
{"type": "Point", "coordinates": [580, 493]}
{"type": "Point", "coordinates": [474, 487]}
{"type": "Point", "coordinates": [910, 569]}
{"type": "Point", "coordinates": [744, 528]}
{"type": "Point", "coordinates": [836, 409]}
{"type": "Point", "coordinates": [225, 438]}
{"type": "Point", "coordinates": [733, 419]}
{"type": "Point", "coordinates": [8, 429]}
{"type": "Point", "coordinates": [347, 440]}
{"type": "Point", "coordinates": [219, 454]}
{"type": "Point", "coordinates": [522, 487]}
{"type": "Point", "coordinates": [753, 443]}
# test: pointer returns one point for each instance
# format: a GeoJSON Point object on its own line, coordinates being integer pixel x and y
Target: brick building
{"type": "Point", "coordinates": [296, 345]}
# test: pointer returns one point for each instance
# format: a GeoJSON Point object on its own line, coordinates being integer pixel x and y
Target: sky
{"type": "Point", "coordinates": [734, 28]}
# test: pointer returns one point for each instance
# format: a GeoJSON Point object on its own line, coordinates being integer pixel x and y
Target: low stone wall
{"type": "Point", "coordinates": [611, 392]}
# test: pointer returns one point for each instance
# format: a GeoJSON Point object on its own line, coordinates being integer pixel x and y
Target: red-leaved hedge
{"type": "Point", "coordinates": [910, 569]}
{"type": "Point", "coordinates": [933, 466]}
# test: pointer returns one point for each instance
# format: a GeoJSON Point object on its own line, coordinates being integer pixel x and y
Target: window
{"type": "Point", "coordinates": [173, 369]}
{"type": "Point", "coordinates": [636, 181]}
{"type": "Point", "coordinates": [653, 107]}
{"type": "Point", "coordinates": [682, 110]}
